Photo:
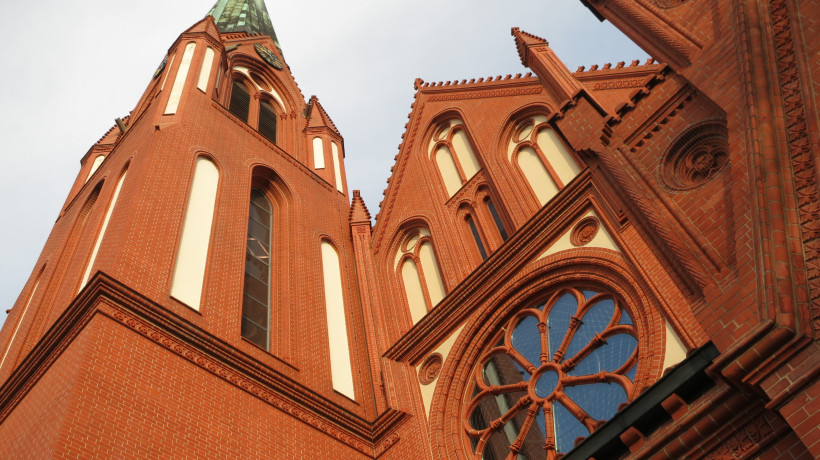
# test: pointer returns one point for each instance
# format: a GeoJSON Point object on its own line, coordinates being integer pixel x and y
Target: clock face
{"type": "Point", "coordinates": [268, 56]}
{"type": "Point", "coordinates": [161, 67]}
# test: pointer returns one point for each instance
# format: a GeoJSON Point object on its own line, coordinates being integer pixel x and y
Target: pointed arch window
{"type": "Point", "coordinates": [454, 155]}
{"type": "Point", "coordinates": [541, 156]}
{"type": "Point", "coordinates": [476, 236]}
{"type": "Point", "coordinates": [240, 104]}
{"type": "Point", "coordinates": [499, 224]}
{"type": "Point", "coordinates": [420, 274]}
{"type": "Point", "coordinates": [267, 120]}
{"type": "Point", "coordinates": [256, 301]}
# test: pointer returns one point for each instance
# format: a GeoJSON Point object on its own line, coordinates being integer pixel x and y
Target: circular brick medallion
{"type": "Point", "coordinates": [430, 369]}
{"type": "Point", "coordinates": [584, 231]}
{"type": "Point", "coordinates": [696, 157]}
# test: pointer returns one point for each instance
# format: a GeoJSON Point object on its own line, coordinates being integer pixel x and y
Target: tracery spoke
{"type": "Point", "coordinates": [590, 423]}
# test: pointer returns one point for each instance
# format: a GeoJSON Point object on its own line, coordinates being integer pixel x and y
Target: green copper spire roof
{"type": "Point", "coordinates": [243, 16]}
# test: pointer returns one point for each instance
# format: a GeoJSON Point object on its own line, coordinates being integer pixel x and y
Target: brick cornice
{"type": "Point", "coordinates": [107, 297]}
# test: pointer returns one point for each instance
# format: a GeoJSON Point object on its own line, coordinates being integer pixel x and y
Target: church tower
{"type": "Point", "coordinates": [617, 262]}
{"type": "Point", "coordinates": [201, 270]}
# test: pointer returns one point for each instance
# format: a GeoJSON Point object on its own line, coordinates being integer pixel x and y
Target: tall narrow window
{"type": "Point", "coordinates": [21, 317]}
{"type": "Point", "coordinates": [179, 80]}
{"type": "Point", "coordinates": [267, 121]}
{"type": "Point", "coordinates": [205, 71]}
{"type": "Point", "coordinates": [94, 166]}
{"type": "Point", "coordinates": [417, 265]}
{"type": "Point", "coordinates": [318, 153]}
{"type": "Point", "coordinates": [453, 154]}
{"type": "Point", "coordinates": [256, 300]}
{"type": "Point", "coordinates": [189, 271]}
{"type": "Point", "coordinates": [240, 101]}
{"type": "Point", "coordinates": [542, 157]}
{"type": "Point", "coordinates": [337, 166]}
{"type": "Point", "coordinates": [340, 367]}
{"type": "Point", "coordinates": [102, 230]}
{"type": "Point", "coordinates": [476, 236]}
{"type": "Point", "coordinates": [496, 218]}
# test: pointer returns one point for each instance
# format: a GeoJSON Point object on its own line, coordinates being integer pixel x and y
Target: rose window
{"type": "Point", "coordinates": [557, 372]}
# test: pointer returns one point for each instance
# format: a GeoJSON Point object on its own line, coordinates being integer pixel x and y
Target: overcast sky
{"type": "Point", "coordinates": [70, 68]}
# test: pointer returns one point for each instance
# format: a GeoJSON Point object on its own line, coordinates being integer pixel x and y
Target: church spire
{"type": "Point", "coordinates": [243, 16]}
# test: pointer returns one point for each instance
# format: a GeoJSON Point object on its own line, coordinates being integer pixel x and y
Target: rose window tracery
{"type": "Point", "coordinates": [557, 371]}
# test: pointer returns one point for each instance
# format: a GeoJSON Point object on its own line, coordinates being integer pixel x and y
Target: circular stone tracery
{"type": "Point", "coordinates": [696, 157]}
{"type": "Point", "coordinates": [558, 370]}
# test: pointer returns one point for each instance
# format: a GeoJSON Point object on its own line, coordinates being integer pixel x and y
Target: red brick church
{"type": "Point", "coordinates": [616, 261]}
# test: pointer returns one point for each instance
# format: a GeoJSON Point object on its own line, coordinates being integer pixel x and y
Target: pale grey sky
{"type": "Point", "coordinates": [70, 68]}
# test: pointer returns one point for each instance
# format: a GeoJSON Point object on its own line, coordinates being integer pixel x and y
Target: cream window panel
{"type": "Point", "coordinates": [340, 368]}
{"type": "Point", "coordinates": [179, 80]}
{"type": "Point", "coordinates": [189, 272]}
{"type": "Point", "coordinates": [413, 290]}
{"type": "Point", "coordinates": [537, 175]}
{"type": "Point", "coordinates": [449, 172]}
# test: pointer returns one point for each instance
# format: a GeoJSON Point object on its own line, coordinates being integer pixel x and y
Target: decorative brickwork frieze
{"type": "Point", "coordinates": [801, 151]}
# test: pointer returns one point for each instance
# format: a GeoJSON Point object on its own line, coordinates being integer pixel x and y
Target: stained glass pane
{"type": "Point", "coordinates": [558, 321]}
{"type": "Point", "coordinates": [527, 340]}
{"type": "Point", "coordinates": [608, 357]}
{"type": "Point", "coordinates": [625, 318]}
{"type": "Point", "coordinates": [595, 321]}
{"type": "Point", "coordinates": [599, 400]}
{"type": "Point", "coordinates": [567, 428]}
{"type": "Point", "coordinates": [501, 369]}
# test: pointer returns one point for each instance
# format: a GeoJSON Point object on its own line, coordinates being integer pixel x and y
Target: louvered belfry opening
{"type": "Point", "coordinates": [240, 101]}
{"type": "Point", "coordinates": [267, 121]}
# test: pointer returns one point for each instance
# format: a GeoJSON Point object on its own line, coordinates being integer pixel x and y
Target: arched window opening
{"type": "Point", "coordinates": [337, 166]}
{"type": "Point", "coordinates": [421, 278]}
{"type": "Point", "coordinates": [496, 218]}
{"type": "Point", "coordinates": [256, 301]}
{"type": "Point", "coordinates": [542, 157]}
{"type": "Point", "coordinates": [21, 317]}
{"type": "Point", "coordinates": [240, 104]}
{"type": "Point", "coordinates": [205, 70]}
{"type": "Point", "coordinates": [476, 236]}
{"type": "Point", "coordinates": [180, 79]}
{"type": "Point", "coordinates": [454, 155]}
{"type": "Point", "coordinates": [100, 236]}
{"type": "Point", "coordinates": [267, 121]}
{"type": "Point", "coordinates": [192, 256]}
{"type": "Point", "coordinates": [95, 166]}
{"type": "Point", "coordinates": [556, 371]}
{"type": "Point", "coordinates": [340, 365]}
{"type": "Point", "coordinates": [318, 153]}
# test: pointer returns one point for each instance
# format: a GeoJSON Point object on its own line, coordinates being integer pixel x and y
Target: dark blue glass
{"type": "Point", "coordinates": [589, 294]}
{"type": "Point", "coordinates": [558, 321]}
{"type": "Point", "coordinates": [599, 400]}
{"type": "Point", "coordinates": [595, 321]}
{"type": "Point", "coordinates": [608, 357]}
{"type": "Point", "coordinates": [546, 384]}
{"type": "Point", "coordinates": [567, 428]}
{"type": "Point", "coordinates": [632, 372]}
{"type": "Point", "coordinates": [501, 369]}
{"type": "Point", "coordinates": [540, 422]}
{"type": "Point", "coordinates": [527, 340]}
{"type": "Point", "coordinates": [625, 318]}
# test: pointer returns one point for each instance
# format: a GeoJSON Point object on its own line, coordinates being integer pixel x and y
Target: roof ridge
{"type": "Point", "coordinates": [618, 65]}
{"type": "Point", "coordinates": [419, 83]}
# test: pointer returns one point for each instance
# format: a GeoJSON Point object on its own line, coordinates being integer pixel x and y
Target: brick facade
{"type": "Point", "coordinates": [684, 190]}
